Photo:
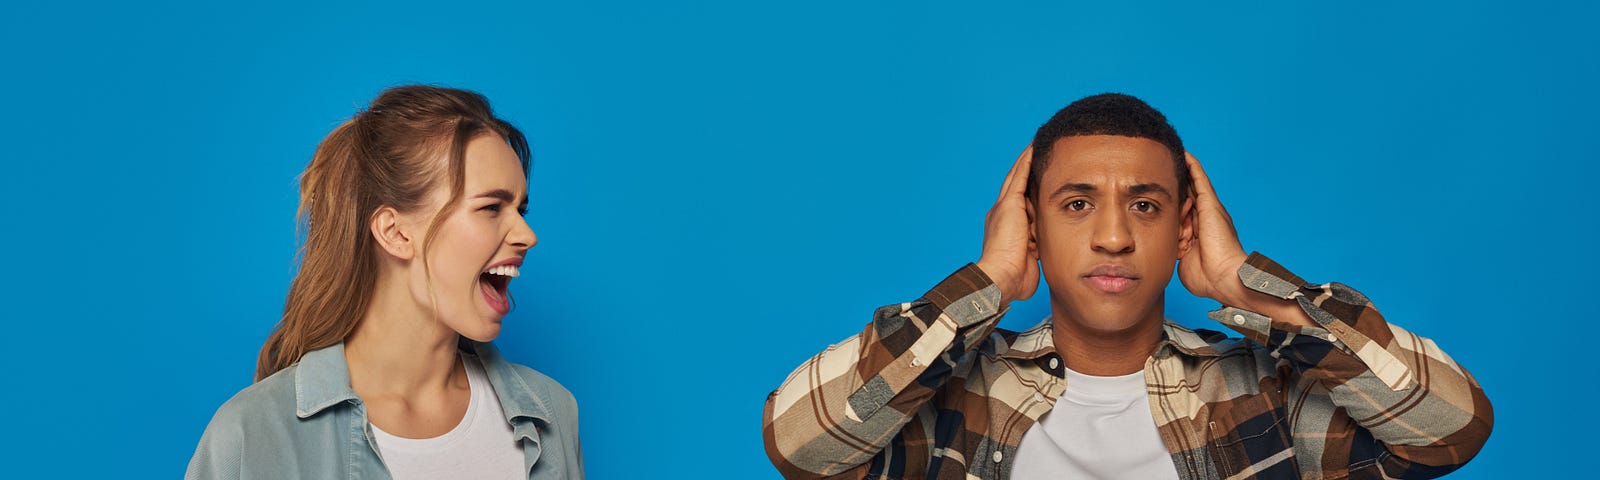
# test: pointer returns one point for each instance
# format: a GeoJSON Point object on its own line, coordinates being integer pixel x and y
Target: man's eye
{"type": "Point", "coordinates": [1144, 207]}
{"type": "Point", "coordinates": [1077, 205]}
{"type": "Point", "coordinates": [493, 207]}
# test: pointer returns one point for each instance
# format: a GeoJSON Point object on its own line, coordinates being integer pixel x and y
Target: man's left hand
{"type": "Point", "coordinates": [1210, 268]}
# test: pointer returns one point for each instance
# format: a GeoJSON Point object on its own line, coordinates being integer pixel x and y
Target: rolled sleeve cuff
{"type": "Point", "coordinates": [1263, 275]}
{"type": "Point", "coordinates": [1259, 327]}
{"type": "Point", "coordinates": [967, 296]}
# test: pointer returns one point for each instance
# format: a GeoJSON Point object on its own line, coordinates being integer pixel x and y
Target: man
{"type": "Point", "coordinates": [1106, 200]}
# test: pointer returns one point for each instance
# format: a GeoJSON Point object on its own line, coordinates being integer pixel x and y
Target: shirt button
{"type": "Point", "coordinates": [998, 456]}
{"type": "Point", "coordinates": [916, 363]}
{"type": "Point", "coordinates": [1238, 319]}
{"type": "Point", "coordinates": [1055, 363]}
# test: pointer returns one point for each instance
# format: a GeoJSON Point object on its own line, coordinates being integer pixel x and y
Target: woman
{"type": "Point", "coordinates": [381, 365]}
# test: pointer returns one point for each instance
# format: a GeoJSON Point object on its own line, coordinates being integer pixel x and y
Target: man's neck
{"type": "Point", "coordinates": [1105, 353]}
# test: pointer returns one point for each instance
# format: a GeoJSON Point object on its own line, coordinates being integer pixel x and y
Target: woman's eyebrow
{"type": "Point", "coordinates": [499, 193]}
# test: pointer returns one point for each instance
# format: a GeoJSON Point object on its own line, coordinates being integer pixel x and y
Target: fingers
{"type": "Point", "coordinates": [1202, 183]}
{"type": "Point", "coordinates": [1017, 178]}
{"type": "Point", "coordinates": [1208, 208]}
{"type": "Point", "coordinates": [1203, 191]}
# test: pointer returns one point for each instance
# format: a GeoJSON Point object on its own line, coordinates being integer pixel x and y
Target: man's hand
{"type": "Point", "coordinates": [1210, 268]}
{"type": "Point", "coordinates": [1010, 257]}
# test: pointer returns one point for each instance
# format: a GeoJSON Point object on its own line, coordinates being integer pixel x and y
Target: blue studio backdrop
{"type": "Point", "coordinates": [722, 189]}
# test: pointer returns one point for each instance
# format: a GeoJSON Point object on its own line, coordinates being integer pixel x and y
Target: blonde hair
{"type": "Point", "coordinates": [385, 156]}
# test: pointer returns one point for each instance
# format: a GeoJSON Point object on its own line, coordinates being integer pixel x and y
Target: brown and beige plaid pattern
{"type": "Point", "coordinates": [931, 389]}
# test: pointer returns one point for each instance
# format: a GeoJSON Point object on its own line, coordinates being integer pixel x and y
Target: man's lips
{"type": "Point", "coordinates": [1111, 278]}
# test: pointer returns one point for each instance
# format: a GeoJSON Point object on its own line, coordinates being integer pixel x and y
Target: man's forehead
{"type": "Point", "coordinates": [1109, 162]}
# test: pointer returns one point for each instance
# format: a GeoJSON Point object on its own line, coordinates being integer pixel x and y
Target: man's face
{"type": "Point", "coordinates": [1110, 227]}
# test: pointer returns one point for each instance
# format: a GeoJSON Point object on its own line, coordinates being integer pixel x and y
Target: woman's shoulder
{"type": "Point", "coordinates": [260, 415]}
{"type": "Point", "coordinates": [272, 398]}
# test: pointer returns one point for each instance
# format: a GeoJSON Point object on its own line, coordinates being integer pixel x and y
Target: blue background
{"type": "Point", "coordinates": [723, 189]}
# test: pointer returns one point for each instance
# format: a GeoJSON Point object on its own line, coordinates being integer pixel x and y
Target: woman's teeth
{"type": "Point", "coordinates": [505, 271]}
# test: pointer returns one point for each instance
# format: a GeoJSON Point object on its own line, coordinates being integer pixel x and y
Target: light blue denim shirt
{"type": "Point", "coordinates": [306, 422]}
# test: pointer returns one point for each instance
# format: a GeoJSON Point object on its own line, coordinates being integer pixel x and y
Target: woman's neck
{"type": "Point", "coordinates": [399, 349]}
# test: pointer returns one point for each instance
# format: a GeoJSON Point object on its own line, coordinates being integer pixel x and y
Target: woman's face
{"type": "Point", "coordinates": [479, 247]}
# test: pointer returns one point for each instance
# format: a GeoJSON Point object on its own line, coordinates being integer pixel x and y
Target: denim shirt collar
{"type": "Point", "coordinates": [322, 380]}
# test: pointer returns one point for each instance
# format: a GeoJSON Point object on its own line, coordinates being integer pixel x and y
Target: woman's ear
{"type": "Point", "coordinates": [390, 232]}
{"type": "Point", "coordinates": [1186, 228]}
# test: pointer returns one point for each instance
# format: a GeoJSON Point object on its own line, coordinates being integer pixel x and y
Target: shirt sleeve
{"type": "Point", "coordinates": [844, 405]}
{"type": "Point", "coordinates": [1421, 406]}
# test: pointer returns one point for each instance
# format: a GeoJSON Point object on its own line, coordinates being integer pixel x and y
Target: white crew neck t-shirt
{"type": "Point", "coordinates": [482, 446]}
{"type": "Point", "coordinates": [1100, 428]}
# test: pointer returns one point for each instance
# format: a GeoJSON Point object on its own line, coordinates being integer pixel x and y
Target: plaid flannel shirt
{"type": "Point", "coordinates": [931, 389]}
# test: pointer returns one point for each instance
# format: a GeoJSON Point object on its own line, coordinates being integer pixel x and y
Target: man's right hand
{"type": "Point", "coordinates": [1010, 257]}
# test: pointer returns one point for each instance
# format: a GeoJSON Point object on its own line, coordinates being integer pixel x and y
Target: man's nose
{"type": "Point", "coordinates": [1111, 234]}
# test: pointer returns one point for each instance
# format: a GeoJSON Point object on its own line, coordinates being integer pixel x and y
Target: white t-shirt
{"type": "Point", "coordinates": [481, 446]}
{"type": "Point", "coordinates": [1100, 428]}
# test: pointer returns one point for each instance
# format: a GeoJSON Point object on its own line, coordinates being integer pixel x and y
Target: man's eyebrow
{"type": "Point", "coordinates": [1149, 188]}
{"type": "Point", "coordinates": [1135, 189]}
{"type": "Point", "coordinates": [1074, 188]}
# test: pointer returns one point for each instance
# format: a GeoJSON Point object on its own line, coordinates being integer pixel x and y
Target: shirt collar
{"type": "Point", "coordinates": [1037, 342]}
{"type": "Point", "coordinates": [322, 380]}
{"type": "Point", "coordinates": [1193, 343]}
{"type": "Point", "coordinates": [517, 398]}
{"type": "Point", "coordinates": [1032, 343]}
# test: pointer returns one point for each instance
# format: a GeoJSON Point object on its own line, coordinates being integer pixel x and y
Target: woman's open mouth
{"type": "Point", "coordinates": [494, 283]}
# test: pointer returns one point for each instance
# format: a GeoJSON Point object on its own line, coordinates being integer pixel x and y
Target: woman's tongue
{"type": "Point", "coordinates": [490, 288]}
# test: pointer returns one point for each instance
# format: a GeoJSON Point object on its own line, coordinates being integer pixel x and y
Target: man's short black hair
{"type": "Point", "coordinates": [1107, 114]}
